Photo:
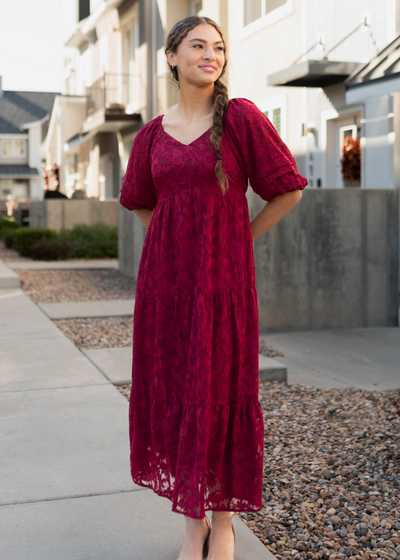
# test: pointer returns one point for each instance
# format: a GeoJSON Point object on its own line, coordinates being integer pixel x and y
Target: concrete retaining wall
{"type": "Point", "coordinates": [332, 262]}
{"type": "Point", "coordinates": [131, 235]}
{"type": "Point", "coordinates": [65, 214]}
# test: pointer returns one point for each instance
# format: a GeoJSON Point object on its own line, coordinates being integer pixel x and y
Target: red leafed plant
{"type": "Point", "coordinates": [351, 159]}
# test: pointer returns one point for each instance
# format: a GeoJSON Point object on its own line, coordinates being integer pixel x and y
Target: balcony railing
{"type": "Point", "coordinates": [114, 93]}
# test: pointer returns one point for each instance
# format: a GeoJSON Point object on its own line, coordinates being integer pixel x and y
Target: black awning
{"type": "Point", "coordinates": [313, 73]}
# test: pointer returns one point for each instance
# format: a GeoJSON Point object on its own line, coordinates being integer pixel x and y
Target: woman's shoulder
{"type": "Point", "coordinates": [242, 111]}
{"type": "Point", "coordinates": [244, 116]}
{"type": "Point", "coordinates": [240, 102]}
{"type": "Point", "coordinates": [242, 105]}
{"type": "Point", "coordinates": [148, 129]}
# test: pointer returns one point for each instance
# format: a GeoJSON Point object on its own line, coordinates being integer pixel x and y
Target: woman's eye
{"type": "Point", "coordinates": [220, 48]}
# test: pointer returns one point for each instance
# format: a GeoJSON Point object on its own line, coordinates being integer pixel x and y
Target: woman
{"type": "Point", "coordinates": [196, 425]}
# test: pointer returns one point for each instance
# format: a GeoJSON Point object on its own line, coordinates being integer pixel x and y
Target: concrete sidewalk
{"type": "Point", "coordinates": [363, 358]}
{"type": "Point", "coordinates": [116, 365]}
{"type": "Point", "coordinates": [67, 491]}
{"type": "Point", "coordinates": [62, 265]}
{"type": "Point", "coordinates": [79, 309]}
{"type": "Point", "coordinates": [8, 278]}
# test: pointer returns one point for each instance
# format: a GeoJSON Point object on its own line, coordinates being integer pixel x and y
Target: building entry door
{"type": "Point", "coordinates": [344, 127]}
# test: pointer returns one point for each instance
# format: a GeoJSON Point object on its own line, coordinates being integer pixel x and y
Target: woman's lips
{"type": "Point", "coordinates": [207, 68]}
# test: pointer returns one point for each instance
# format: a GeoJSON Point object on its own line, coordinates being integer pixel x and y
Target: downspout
{"type": "Point", "coordinates": [396, 111]}
{"type": "Point", "coordinates": [150, 7]}
{"type": "Point", "coordinates": [153, 58]}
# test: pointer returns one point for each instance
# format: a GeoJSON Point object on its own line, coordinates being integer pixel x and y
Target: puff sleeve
{"type": "Point", "coordinates": [138, 189]}
{"type": "Point", "coordinates": [268, 162]}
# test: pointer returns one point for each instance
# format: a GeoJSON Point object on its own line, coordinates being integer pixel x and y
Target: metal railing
{"type": "Point", "coordinates": [113, 92]}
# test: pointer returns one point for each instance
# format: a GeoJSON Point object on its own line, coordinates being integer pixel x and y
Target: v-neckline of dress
{"type": "Point", "coordinates": [177, 141]}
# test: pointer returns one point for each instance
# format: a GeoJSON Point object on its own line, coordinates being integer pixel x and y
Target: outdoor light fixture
{"type": "Point", "coordinates": [364, 25]}
{"type": "Point", "coordinates": [320, 45]}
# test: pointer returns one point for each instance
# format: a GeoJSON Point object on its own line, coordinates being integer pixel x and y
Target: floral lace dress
{"type": "Point", "coordinates": [195, 422]}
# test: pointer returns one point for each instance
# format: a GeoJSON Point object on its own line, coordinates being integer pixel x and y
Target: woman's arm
{"type": "Point", "coordinates": [273, 211]}
{"type": "Point", "coordinates": [144, 215]}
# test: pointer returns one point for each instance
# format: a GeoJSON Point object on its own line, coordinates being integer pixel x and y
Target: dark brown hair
{"type": "Point", "coordinates": [220, 95]}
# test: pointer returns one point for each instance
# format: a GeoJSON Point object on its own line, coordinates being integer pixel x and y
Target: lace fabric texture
{"type": "Point", "coordinates": [195, 422]}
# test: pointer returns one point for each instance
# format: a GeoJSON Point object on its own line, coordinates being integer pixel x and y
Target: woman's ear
{"type": "Point", "coordinates": [170, 57]}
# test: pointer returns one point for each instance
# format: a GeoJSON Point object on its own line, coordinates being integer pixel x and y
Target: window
{"type": "Point", "coordinates": [252, 10]}
{"type": "Point", "coordinates": [274, 108]}
{"type": "Point", "coordinates": [276, 119]}
{"type": "Point", "coordinates": [103, 52]}
{"type": "Point", "coordinates": [86, 66]}
{"type": "Point", "coordinates": [20, 188]}
{"type": "Point", "coordinates": [14, 187]}
{"type": "Point", "coordinates": [132, 91]}
{"type": "Point", "coordinates": [256, 9]}
{"type": "Point", "coordinates": [196, 8]}
{"type": "Point", "coordinates": [6, 185]}
{"type": "Point", "coordinates": [13, 148]}
{"type": "Point", "coordinates": [84, 9]}
{"type": "Point", "coordinates": [7, 150]}
{"type": "Point", "coordinates": [19, 148]}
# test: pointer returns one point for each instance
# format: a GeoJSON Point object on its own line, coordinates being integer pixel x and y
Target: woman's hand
{"type": "Point", "coordinates": [273, 211]}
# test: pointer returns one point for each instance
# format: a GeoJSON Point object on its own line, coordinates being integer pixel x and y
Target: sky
{"type": "Point", "coordinates": [31, 39]}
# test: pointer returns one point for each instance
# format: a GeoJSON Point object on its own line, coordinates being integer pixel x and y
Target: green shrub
{"type": "Point", "coordinates": [7, 226]}
{"type": "Point", "coordinates": [92, 242]}
{"type": "Point", "coordinates": [8, 239]}
{"type": "Point", "coordinates": [51, 250]}
{"type": "Point", "coordinates": [25, 237]}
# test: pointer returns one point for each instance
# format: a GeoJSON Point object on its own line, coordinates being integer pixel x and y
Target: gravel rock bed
{"type": "Point", "coordinates": [124, 390]}
{"type": "Point", "coordinates": [331, 473]}
{"type": "Point", "coordinates": [56, 286]}
{"type": "Point", "coordinates": [268, 351]}
{"type": "Point", "coordinates": [113, 332]}
{"type": "Point", "coordinates": [102, 332]}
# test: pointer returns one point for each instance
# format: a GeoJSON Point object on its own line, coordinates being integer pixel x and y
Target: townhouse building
{"type": "Point", "coordinates": [307, 56]}
{"type": "Point", "coordinates": [298, 60]}
{"type": "Point", "coordinates": [105, 97]}
{"type": "Point", "coordinates": [326, 75]}
{"type": "Point", "coordinates": [110, 90]}
{"type": "Point", "coordinates": [24, 118]}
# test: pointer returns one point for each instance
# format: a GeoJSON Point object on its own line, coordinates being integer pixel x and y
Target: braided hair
{"type": "Point", "coordinates": [220, 94]}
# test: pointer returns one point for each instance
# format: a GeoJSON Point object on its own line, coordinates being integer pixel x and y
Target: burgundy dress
{"type": "Point", "coordinates": [195, 422]}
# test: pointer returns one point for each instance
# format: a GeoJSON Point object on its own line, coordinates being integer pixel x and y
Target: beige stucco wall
{"type": "Point", "coordinates": [65, 214]}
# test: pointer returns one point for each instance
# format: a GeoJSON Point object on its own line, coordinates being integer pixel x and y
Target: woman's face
{"type": "Point", "coordinates": [200, 56]}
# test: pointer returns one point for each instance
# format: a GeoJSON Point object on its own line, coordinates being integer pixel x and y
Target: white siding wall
{"type": "Point", "coordinates": [35, 137]}
{"type": "Point", "coordinates": [333, 21]}
{"type": "Point", "coordinates": [69, 10]}
{"type": "Point", "coordinates": [274, 44]}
